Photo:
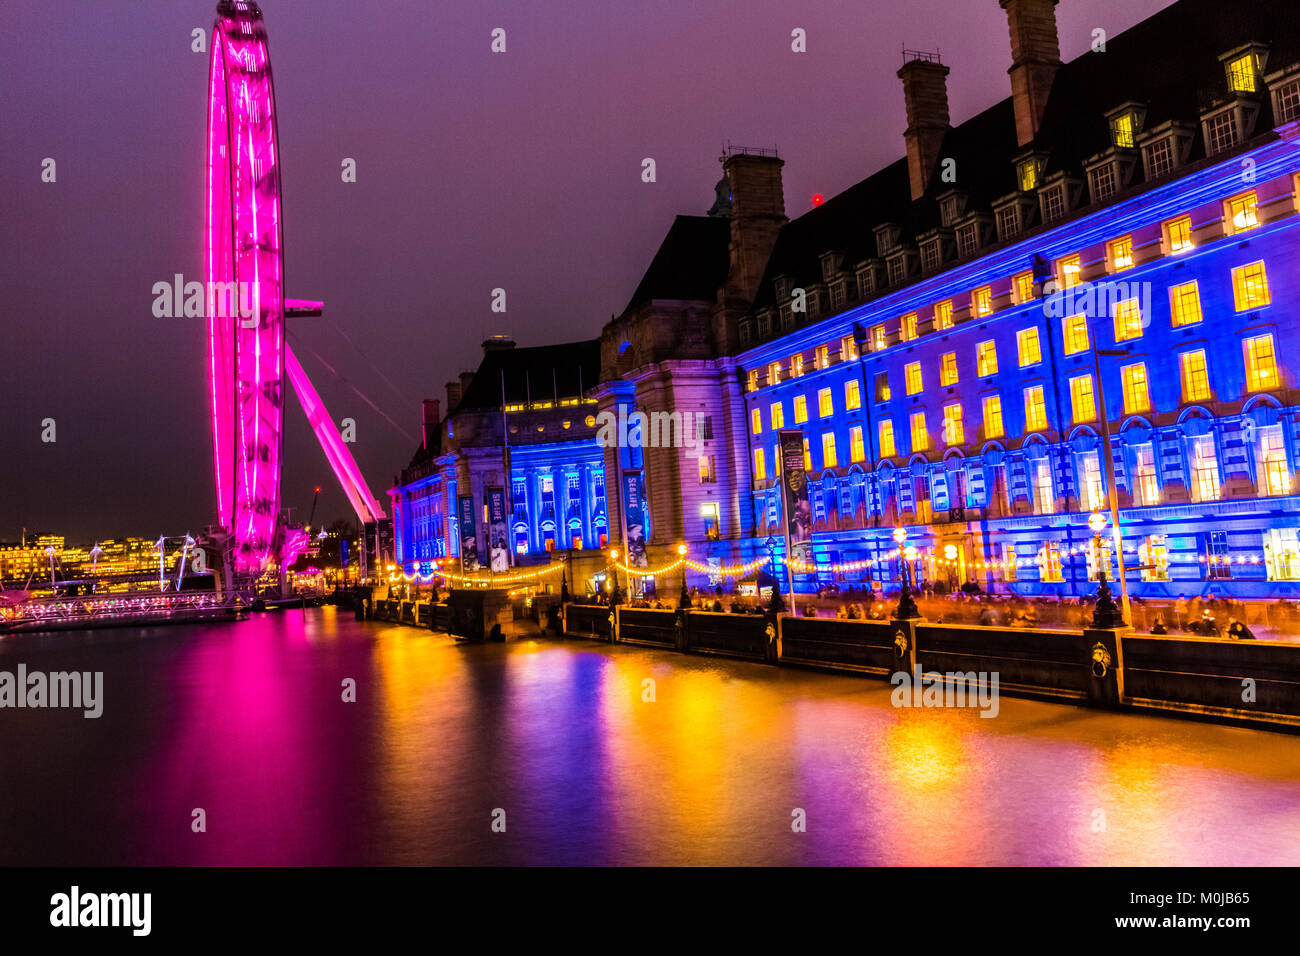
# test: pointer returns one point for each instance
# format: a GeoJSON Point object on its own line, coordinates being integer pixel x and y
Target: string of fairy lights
{"type": "Point", "coordinates": [535, 576]}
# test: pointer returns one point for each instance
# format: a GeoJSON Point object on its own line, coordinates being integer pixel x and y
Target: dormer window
{"type": "Point", "coordinates": [1121, 130]}
{"type": "Point", "coordinates": [1053, 203]}
{"type": "Point", "coordinates": [831, 262]}
{"type": "Point", "coordinates": [931, 254]}
{"type": "Point", "coordinates": [1008, 220]}
{"type": "Point", "coordinates": [951, 207]}
{"type": "Point", "coordinates": [1027, 174]}
{"type": "Point", "coordinates": [1165, 148]}
{"type": "Point", "coordinates": [968, 238]}
{"type": "Point", "coordinates": [887, 238]}
{"type": "Point", "coordinates": [1101, 182]}
{"type": "Point", "coordinates": [1221, 131]}
{"type": "Point", "coordinates": [783, 287]}
{"type": "Point", "coordinates": [1285, 89]}
{"type": "Point", "coordinates": [1243, 69]}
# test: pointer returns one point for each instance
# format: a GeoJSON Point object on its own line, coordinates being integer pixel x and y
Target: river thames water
{"type": "Point", "coordinates": [247, 723]}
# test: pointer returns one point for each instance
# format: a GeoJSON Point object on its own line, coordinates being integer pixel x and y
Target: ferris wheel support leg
{"type": "Point", "coordinates": [336, 451]}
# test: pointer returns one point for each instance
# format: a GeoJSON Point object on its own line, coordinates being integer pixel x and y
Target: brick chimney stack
{"type": "Point", "coordinates": [453, 396]}
{"type": "Point", "coordinates": [925, 95]}
{"type": "Point", "coordinates": [757, 215]}
{"type": "Point", "coordinates": [1035, 58]}
{"type": "Point", "coordinates": [431, 409]}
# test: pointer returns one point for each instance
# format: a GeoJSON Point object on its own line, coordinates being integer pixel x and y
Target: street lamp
{"type": "Point", "coordinates": [614, 597]}
{"type": "Point", "coordinates": [1110, 467]}
{"type": "Point", "coordinates": [906, 605]}
{"type": "Point", "coordinates": [683, 599]}
{"type": "Point", "coordinates": [777, 604]}
{"type": "Point", "coordinates": [1105, 614]}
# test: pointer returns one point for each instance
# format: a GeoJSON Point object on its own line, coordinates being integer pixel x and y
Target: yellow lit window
{"type": "Point", "coordinates": [1241, 74]}
{"type": "Point", "coordinates": [778, 415]}
{"type": "Point", "coordinates": [1180, 234]}
{"type": "Point", "coordinates": [954, 432]}
{"type": "Point", "coordinates": [852, 395]}
{"type": "Point", "coordinates": [1024, 284]}
{"type": "Point", "coordinates": [1261, 363]}
{"type": "Point", "coordinates": [1120, 253]}
{"type": "Point", "coordinates": [807, 456]}
{"type": "Point", "coordinates": [887, 439]}
{"type": "Point", "coordinates": [760, 465]}
{"type": "Point", "coordinates": [756, 421]}
{"type": "Point", "coordinates": [907, 327]}
{"type": "Point", "coordinates": [912, 374]}
{"type": "Point", "coordinates": [707, 476]}
{"type": "Point", "coordinates": [943, 314]}
{"type": "Point", "coordinates": [796, 365]}
{"type": "Point", "coordinates": [1242, 213]}
{"type": "Point", "coordinates": [829, 460]}
{"type": "Point", "coordinates": [822, 358]}
{"type": "Point", "coordinates": [1121, 128]}
{"type": "Point", "coordinates": [1076, 334]}
{"type": "Point", "coordinates": [825, 404]}
{"type": "Point", "coordinates": [753, 380]}
{"type": "Point", "coordinates": [800, 409]}
{"type": "Point", "coordinates": [1137, 397]}
{"type": "Point", "coordinates": [986, 358]}
{"type": "Point", "coordinates": [1028, 347]}
{"type": "Point", "coordinates": [1195, 376]}
{"type": "Point", "coordinates": [1027, 174]}
{"type": "Point", "coordinates": [877, 337]}
{"type": "Point", "coordinates": [981, 302]}
{"type": "Point", "coordinates": [920, 437]}
{"type": "Point", "coordinates": [993, 416]}
{"type": "Point", "coordinates": [882, 387]}
{"type": "Point", "coordinates": [1035, 409]}
{"type": "Point", "coordinates": [1081, 399]}
{"type": "Point", "coordinates": [1205, 469]}
{"type": "Point", "coordinates": [1185, 304]}
{"type": "Point", "coordinates": [1128, 320]}
{"type": "Point", "coordinates": [1250, 287]}
{"type": "Point", "coordinates": [857, 450]}
{"type": "Point", "coordinates": [848, 348]}
{"type": "Point", "coordinates": [1274, 477]}
{"type": "Point", "coordinates": [948, 369]}
{"type": "Point", "coordinates": [774, 373]}
{"type": "Point", "coordinates": [1070, 269]}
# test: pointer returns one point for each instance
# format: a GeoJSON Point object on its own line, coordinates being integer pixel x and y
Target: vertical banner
{"type": "Point", "coordinates": [468, 535]}
{"type": "Point", "coordinates": [498, 553]}
{"type": "Point", "coordinates": [634, 517]}
{"type": "Point", "coordinates": [798, 510]}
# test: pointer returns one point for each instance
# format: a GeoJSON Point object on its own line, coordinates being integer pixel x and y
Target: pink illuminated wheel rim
{"type": "Point", "coordinates": [245, 285]}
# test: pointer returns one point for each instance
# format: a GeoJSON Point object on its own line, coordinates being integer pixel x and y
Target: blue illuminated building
{"type": "Point", "coordinates": [1122, 231]}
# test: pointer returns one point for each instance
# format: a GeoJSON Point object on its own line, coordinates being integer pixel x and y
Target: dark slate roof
{"type": "Point", "coordinates": [1168, 62]}
{"type": "Point", "coordinates": [537, 374]}
{"type": "Point", "coordinates": [691, 262]}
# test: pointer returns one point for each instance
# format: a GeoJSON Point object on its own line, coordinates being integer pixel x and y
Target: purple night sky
{"type": "Point", "coordinates": [474, 171]}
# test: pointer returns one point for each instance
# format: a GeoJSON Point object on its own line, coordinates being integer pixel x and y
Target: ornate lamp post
{"type": "Point", "coordinates": [777, 604]}
{"type": "Point", "coordinates": [1106, 613]}
{"type": "Point", "coordinates": [614, 596]}
{"type": "Point", "coordinates": [906, 604]}
{"type": "Point", "coordinates": [683, 599]}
